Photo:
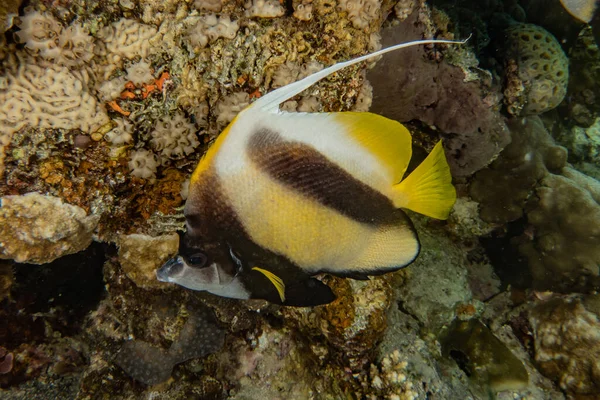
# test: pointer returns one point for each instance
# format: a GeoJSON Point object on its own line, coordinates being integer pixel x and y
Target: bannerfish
{"type": "Point", "coordinates": [280, 197]}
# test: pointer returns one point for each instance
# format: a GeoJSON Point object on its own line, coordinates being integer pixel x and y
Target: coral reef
{"type": "Point", "coordinates": [211, 27]}
{"type": "Point", "coordinates": [199, 336]}
{"type": "Point", "coordinates": [354, 323]}
{"type": "Point", "coordinates": [39, 229]}
{"type": "Point", "coordinates": [264, 9]}
{"type": "Point", "coordinates": [140, 256]}
{"type": "Point", "coordinates": [567, 342]}
{"type": "Point", "coordinates": [361, 12]}
{"type": "Point", "coordinates": [435, 305]}
{"type": "Point", "coordinates": [407, 86]}
{"type": "Point", "coordinates": [46, 98]}
{"type": "Point", "coordinates": [583, 145]}
{"type": "Point", "coordinates": [132, 93]}
{"type": "Point", "coordinates": [174, 138]}
{"type": "Point", "coordinates": [583, 104]}
{"type": "Point", "coordinates": [490, 363]}
{"type": "Point", "coordinates": [565, 252]}
{"type": "Point", "coordinates": [536, 70]}
{"type": "Point", "coordinates": [504, 188]}
{"type": "Point", "coordinates": [43, 35]}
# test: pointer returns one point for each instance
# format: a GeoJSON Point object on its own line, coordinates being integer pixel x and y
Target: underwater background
{"type": "Point", "coordinates": [107, 106]}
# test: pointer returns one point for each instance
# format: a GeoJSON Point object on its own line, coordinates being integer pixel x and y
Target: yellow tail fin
{"type": "Point", "coordinates": [428, 189]}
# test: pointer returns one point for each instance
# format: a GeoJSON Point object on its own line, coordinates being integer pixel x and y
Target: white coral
{"type": "Point", "coordinates": [110, 90]}
{"type": "Point", "coordinates": [264, 9]}
{"type": "Point", "coordinates": [139, 73]}
{"type": "Point", "coordinates": [361, 12]}
{"type": "Point", "coordinates": [77, 46]}
{"type": "Point", "coordinates": [127, 38]}
{"type": "Point", "coordinates": [209, 28]}
{"type": "Point", "coordinates": [44, 36]}
{"type": "Point", "coordinates": [290, 72]}
{"type": "Point", "coordinates": [309, 104]}
{"type": "Point", "coordinates": [208, 5]}
{"type": "Point", "coordinates": [49, 97]}
{"type": "Point", "coordinates": [174, 137]}
{"type": "Point", "coordinates": [303, 11]}
{"type": "Point", "coordinates": [143, 164]}
{"type": "Point", "coordinates": [121, 134]}
{"type": "Point", "coordinates": [230, 106]}
{"type": "Point", "coordinates": [40, 34]}
{"type": "Point", "coordinates": [365, 97]}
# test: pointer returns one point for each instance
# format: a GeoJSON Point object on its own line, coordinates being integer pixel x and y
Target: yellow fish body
{"type": "Point", "coordinates": [280, 197]}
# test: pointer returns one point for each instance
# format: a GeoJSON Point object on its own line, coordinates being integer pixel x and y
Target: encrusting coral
{"type": "Point", "coordinates": [141, 255]}
{"type": "Point", "coordinates": [39, 229]}
{"type": "Point", "coordinates": [567, 342]}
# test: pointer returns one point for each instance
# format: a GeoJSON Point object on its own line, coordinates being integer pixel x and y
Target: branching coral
{"type": "Point", "coordinates": [391, 380]}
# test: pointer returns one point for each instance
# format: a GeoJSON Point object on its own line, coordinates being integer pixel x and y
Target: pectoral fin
{"type": "Point", "coordinates": [275, 280]}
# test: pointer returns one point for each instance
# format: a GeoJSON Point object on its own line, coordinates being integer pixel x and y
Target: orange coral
{"type": "Point", "coordinates": [116, 107]}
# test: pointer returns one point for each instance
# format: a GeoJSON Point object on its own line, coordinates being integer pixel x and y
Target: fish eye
{"type": "Point", "coordinates": [197, 260]}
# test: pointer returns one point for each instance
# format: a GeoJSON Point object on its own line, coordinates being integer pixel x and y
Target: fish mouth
{"type": "Point", "coordinates": [173, 265]}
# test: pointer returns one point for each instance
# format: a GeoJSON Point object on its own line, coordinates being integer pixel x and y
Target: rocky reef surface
{"type": "Point", "coordinates": [107, 106]}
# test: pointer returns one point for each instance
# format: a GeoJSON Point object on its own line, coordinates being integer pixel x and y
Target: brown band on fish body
{"type": "Point", "coordinates": [213, 223]}
{"type": "Point", "coordinates": [306, 171]}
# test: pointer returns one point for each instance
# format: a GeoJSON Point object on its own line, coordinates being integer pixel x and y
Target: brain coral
{"type": "Point", "coordinates": [46, 98]}
{"type": "Point", "coordinates": [537, 70]}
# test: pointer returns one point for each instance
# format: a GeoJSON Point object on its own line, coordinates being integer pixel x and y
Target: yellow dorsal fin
{"type": "Point", "coordinates": [275, 280]}
{"type": "Point", "coordinates": [386, 139]}
{"type": "Point", "coordinates": [428, 189]}
{"type": "Point", "coordinates": [207, 159]}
